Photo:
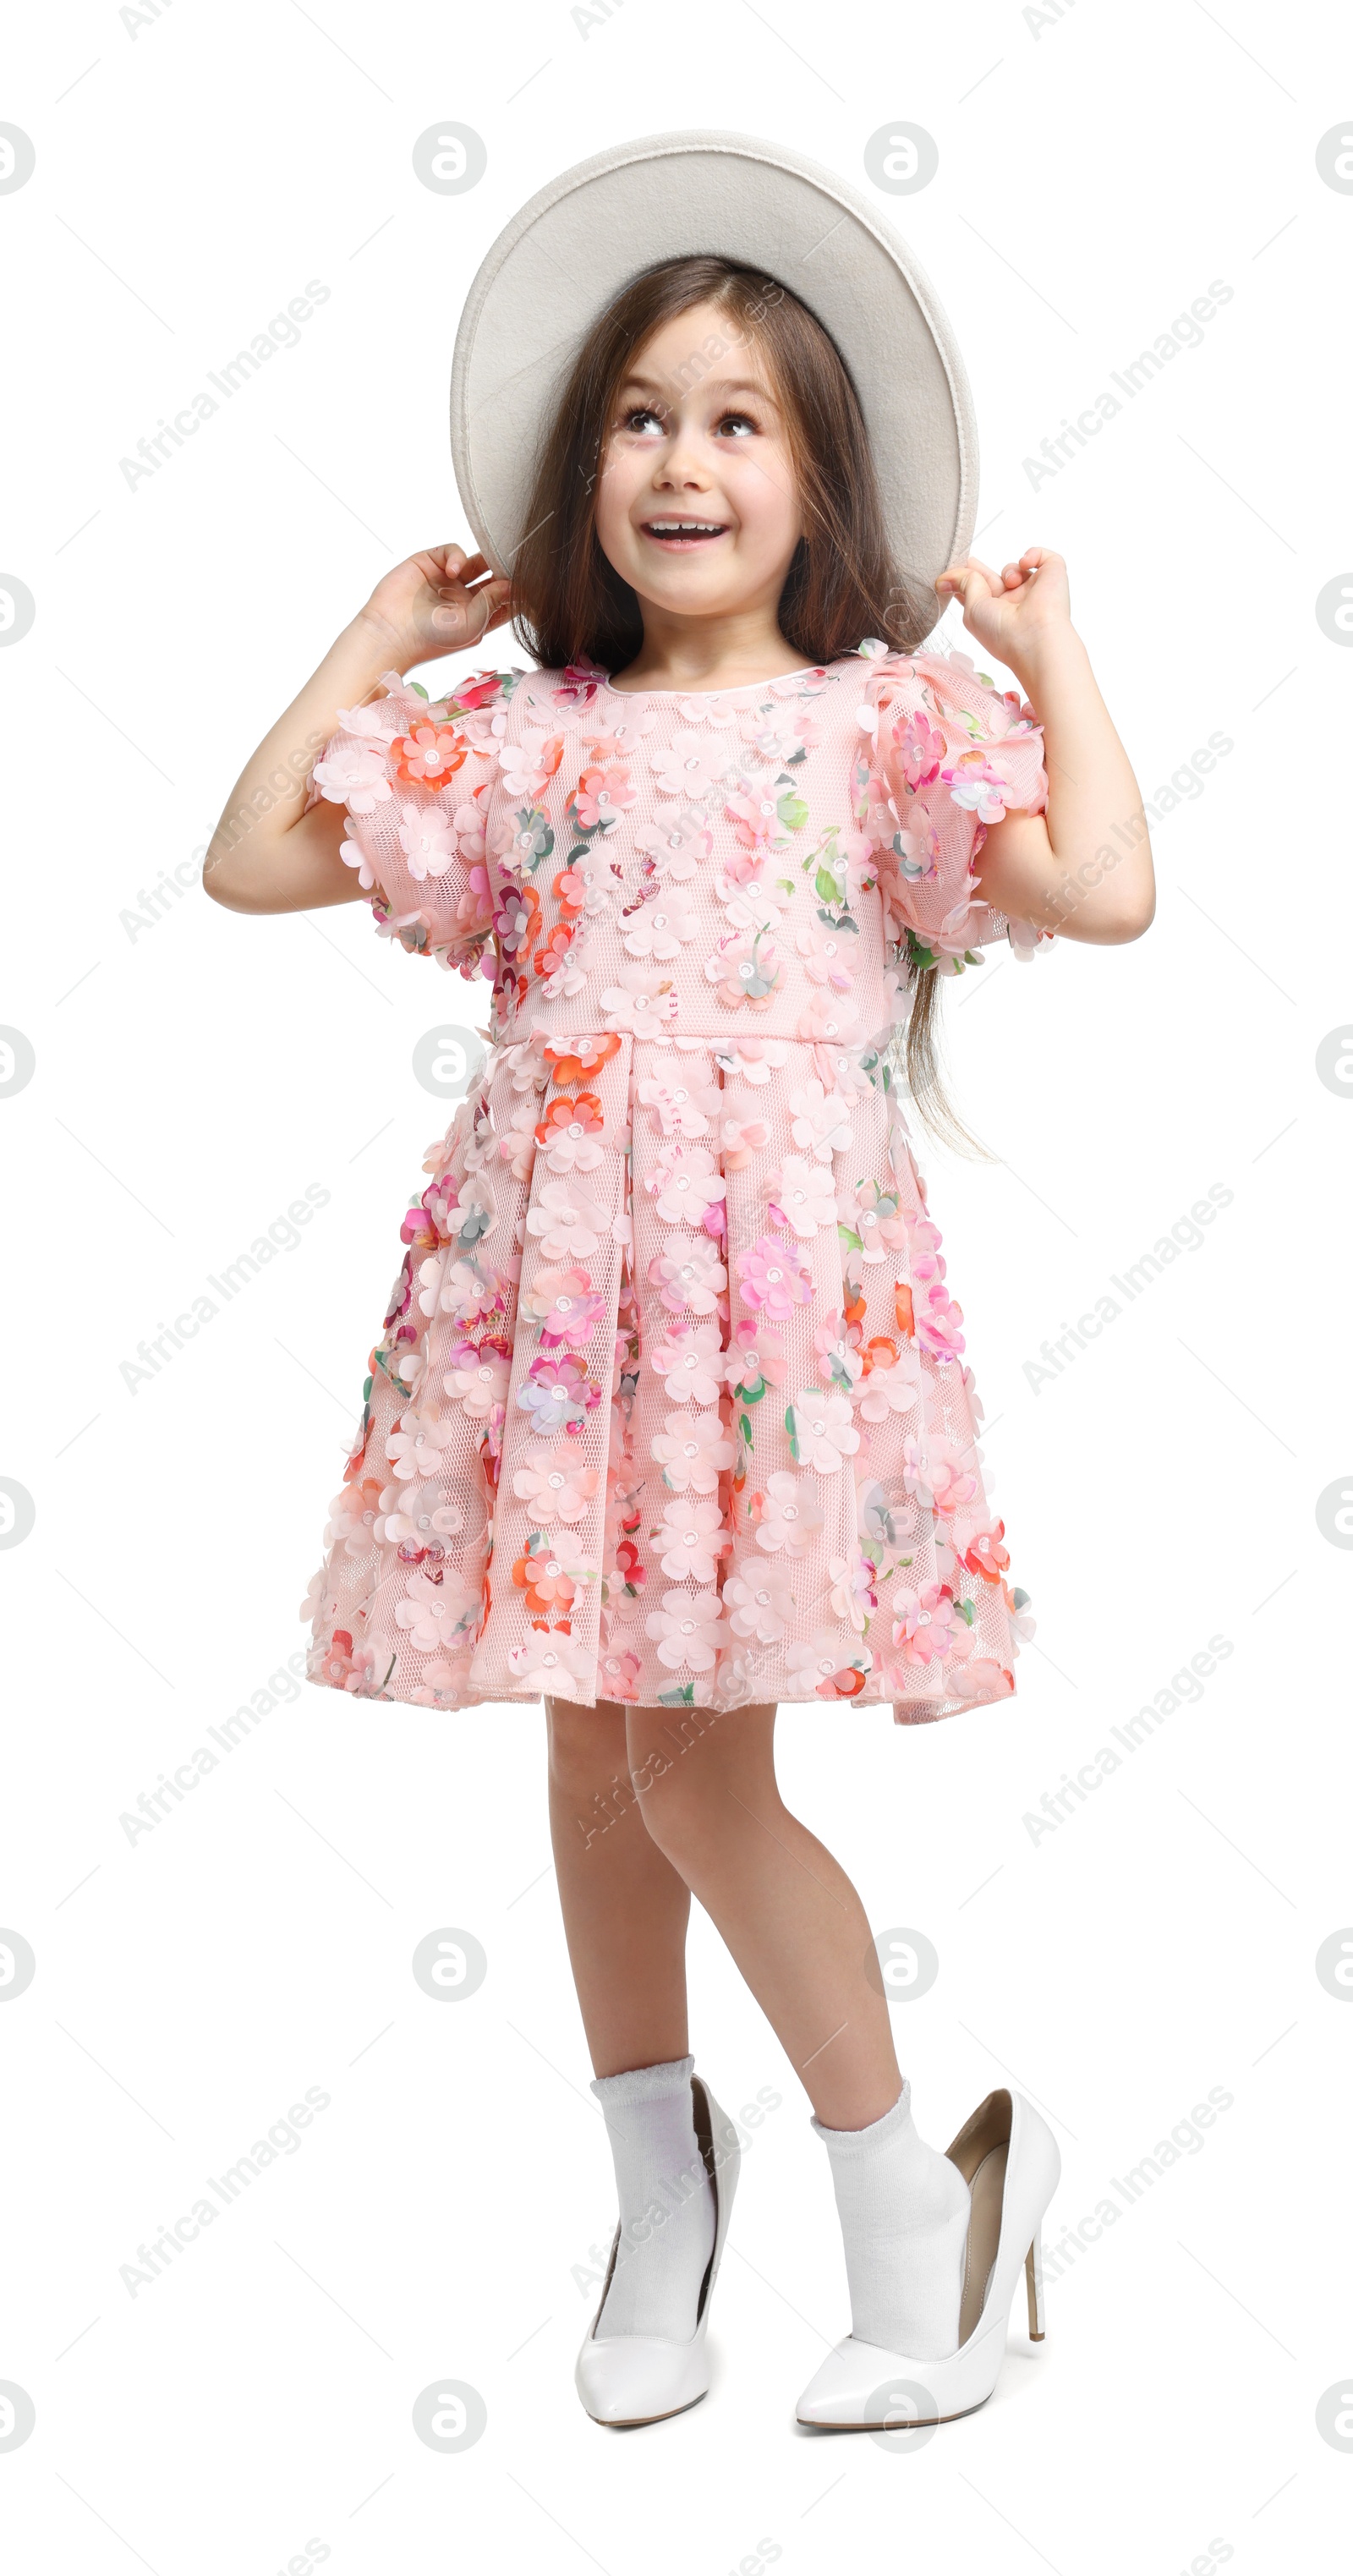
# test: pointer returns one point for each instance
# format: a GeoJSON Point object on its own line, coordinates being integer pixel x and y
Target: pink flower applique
{"type": "Point", "coordinates": [566, 1306]}
{"type": "Point", "coordinates": [751, 1365]}
{"type": "Point", "coordinates": [784, 1516]}
{"type": "Point", "coordinates": [436, 1615]}
{"type": "Point", "coordinates": [618, 1670]}
{"type": "Point", "coordinates": [759, 1603]}
{"type": "Point", "coordinates": [685, 1184]}
{"type": "Point", "coordinates": [640, 1000]}
{"type": "Point", "coordinates": [418, 1516]}
{"type": "Point", "coordinates": [741, 1140]}
{"type": "Point", "coordinates": [602, 794]}
{"type": "Point", "coordinates": [756, 1059]}
{"type": "Point", "coordinates": [416, 1447]}
{"type": "Point", "coordinates": [691, 1538]}
{"type": "Point", "coordinates": [549, 1661]}
{"type": "Point", "coordinates": [853, 1594]}
{"type": "Point", "coordinates": [822, 1431]}
{"type": "Point", "coordinates": [974, 784]}
{"type": "Point", "coordinates": [675, 1107]}
{"type": "Point", "coordinates": [690, 763]}
{"type": "Point", "coordinates": [692, 1451]}
{"type": "Point", "coordinates": [746, 967]}
{"type": "Point", "coordinates": [815, 1664]}
{"type": "Point", "coordinates": [827, 958]}
{"type": "Point", "coordinates": [839, 1363]}
{"type": "Point", "coordinates": [691, 1360]}
{"type": "Point", "coordinates": [688, 1275]}
{"type": "Point", "coordinates": [805, 1197]}
{"type": "Point", "coordinates": [661, 928]}
{"type": "Point", "coordinates": [819, 1121]}
{"type": "Point", "coordinates": [676, 844]}
{"type": "Point", "coordinates": [427, 839]}
{"type": "Point", "coordinates": [926, 1625]}
{"type": "Point", "coordinates": [355, 773]}
{"type": "Point", "coordinates": [934, 1470]}
{"type": "Point", "coordinates": [686, 1631]}
{"type": "Point", "coordinates": [557, 1489]}
{"type": "Point", "coordinates": [527, 766]}
{"type": "Point", "coordinates": [754, 812]}
{"type": "Point", "coordinates": [773, 1280]}
{"type": "Point", "coordinates": [482, 1384]}
{"type": "Point", "coordinates": [566, 1222]}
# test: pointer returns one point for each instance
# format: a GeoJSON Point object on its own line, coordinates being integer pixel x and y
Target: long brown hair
{"type": "Point", "coordinates": [569, 604]}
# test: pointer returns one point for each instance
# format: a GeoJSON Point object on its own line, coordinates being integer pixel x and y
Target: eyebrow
{"type": "Point", "coordinates": [724, 385]}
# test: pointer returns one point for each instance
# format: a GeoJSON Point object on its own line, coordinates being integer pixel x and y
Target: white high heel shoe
{"type": "Point", "coordinates": [625, 2380]}
{"type": "Point", "coordinates": [1009, 2159]}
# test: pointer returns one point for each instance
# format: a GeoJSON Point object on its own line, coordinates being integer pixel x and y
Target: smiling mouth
{"type": "Point", "coordinates": [684, 532]}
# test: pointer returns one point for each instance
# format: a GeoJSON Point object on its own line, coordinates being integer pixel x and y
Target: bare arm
{"type": "Point", "coordinates": [266, 853]}
{"type": "Point", "coordinates": [1083, 867]}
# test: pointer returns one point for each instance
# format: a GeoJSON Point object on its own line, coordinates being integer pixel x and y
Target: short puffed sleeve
{"type": "Point", "coordinates": [950, 755]}
{"type": "Point", "coordinates": [416, 776]}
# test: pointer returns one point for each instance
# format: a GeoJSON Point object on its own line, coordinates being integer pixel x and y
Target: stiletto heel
{"type": "Point", "coordinates": [1008, 2157]}
{"type": "Point", "coordinates": [1033, 2283]}
{"type": "Point", "coordinates": [626, 2380]}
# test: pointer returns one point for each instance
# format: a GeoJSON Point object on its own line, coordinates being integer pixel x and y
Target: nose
{"type": "Point", "coordinates": [684, 466]}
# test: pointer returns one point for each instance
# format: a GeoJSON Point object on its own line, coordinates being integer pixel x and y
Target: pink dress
{"type": "Point", "coordinates": [670, 1402]}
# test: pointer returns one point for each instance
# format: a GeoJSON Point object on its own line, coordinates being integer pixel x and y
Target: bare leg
{"type": "Point", "coordinates": [787, 1911]}
{"type": "Point", "coordinates": [625, 1907]}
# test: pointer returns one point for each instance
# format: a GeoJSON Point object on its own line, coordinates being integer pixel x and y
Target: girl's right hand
{"type": "Point", "coordinates": [436, 603]}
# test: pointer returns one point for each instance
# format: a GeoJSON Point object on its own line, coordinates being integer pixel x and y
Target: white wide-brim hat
{"type": "Point", "coordinates": [568, 252]}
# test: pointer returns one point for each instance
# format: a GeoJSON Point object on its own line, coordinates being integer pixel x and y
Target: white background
{"type": "Point", "coordinates": [251, 2406]}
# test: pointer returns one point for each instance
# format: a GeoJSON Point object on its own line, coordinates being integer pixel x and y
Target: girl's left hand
{"type": "Point", "coordinates": [1013, 613]}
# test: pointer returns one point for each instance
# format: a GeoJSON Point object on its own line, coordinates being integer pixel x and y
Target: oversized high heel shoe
{"type": "Point", "coordinates": [624, 2380]}
{"type": "Point", "coordinates": [1009, 2159]}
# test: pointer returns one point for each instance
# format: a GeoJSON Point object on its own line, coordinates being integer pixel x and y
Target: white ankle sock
{"type": "Point", "coordinates": [904, 2212]}
{"type": "Point", "coordinates": [666, 2205]}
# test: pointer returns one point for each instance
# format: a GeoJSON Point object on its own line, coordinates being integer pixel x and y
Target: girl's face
{"type": "Point", "coordinates": [696, 501]}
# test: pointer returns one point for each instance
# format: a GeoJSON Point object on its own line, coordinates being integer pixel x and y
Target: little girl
{"type": "Point", "coordinates": [668, 1419]}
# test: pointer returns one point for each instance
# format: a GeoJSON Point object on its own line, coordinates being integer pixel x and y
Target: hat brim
{"type": "Point", "coordinates": [577, 243]}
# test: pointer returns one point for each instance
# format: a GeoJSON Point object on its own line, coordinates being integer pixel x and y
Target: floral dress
{"type": "Point", "coordinates": [670, 1403]}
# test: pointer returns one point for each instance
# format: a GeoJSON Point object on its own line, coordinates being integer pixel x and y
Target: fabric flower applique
{"type": "Point", "coordinates": [675, 1109]}
{"type": "Point", "coordinates": [821, 1431]}
{"type": "Point", "coordinates": [688, 1275]}
{"type": "Point", "coordinates": [773, 1281]}
{"type": "Point", "coordinates": [691, 1538]}
{"type": "Point", "coordinates": [428, 755]}
{"type": "Point", "coordinates": [416, 1446]}
{"type": "Point", "coordinates": [572, 1133]}
{"type": "Point", "coordinates": [692, 1450]}
{"type": "Point", "coordinates": [661, 928]}
{"type": "Point", "coordinates": [481, 1383]}
{"type": "Point", "coordinates": [640, 1001]}
{"type": "Point", "coordinates": [557, 1394]}
{"type": "Point", "coordinates": [746, 967]}
{"type": "Point", "coordinates": [815, 1665]}
{"type": "Point", "coordinates": [691, 763]}
{"type": "Point", "coordinates": [548, 1662]}
{"type": "Point", "coordinates": [685, 1185]}
{"type": "Point", "coordinates": [691, 1360]}
{"type": "Point", "coordinates": [757, 1060]}
{"type": "Point", "coordinates": [526, 766]}
{"type": "Point", "coordinates": [686, 1631]}
{"type": "Point", "coordinates": [436, 1615]}
{"type": "Point", "coordinates": [565, 1305]}
{"type": "Point", "coordinates": [676, 845]}
{"type": "Point", "coordinates": [557, 1488]}
{"type": "Point", "coordinates": [751, 1364]}
{"type": "Point", "coordinates": [784, 1516]}
{"type": "Point", "coordinates": [602, 794]}
{"type": "Point", "coordinates": [566, 1222]}
{"type": "Point", "coordinates": [428, 840]}
{"type": "Point", "coordinates": [839, 1362]}
{"type": "Point", "coordinates": [819, 1121]}
{"type": "Point", "coordinates": [934, 1470]}
{"type": "Point", "coordinates": [853, 1596]}
{"type": "Point", "coordinates": [927, 1626]}
{"type": "Point", "coordinates": [759, 1604]}
{"type": "Point", "coordinates": [804, 1198]}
